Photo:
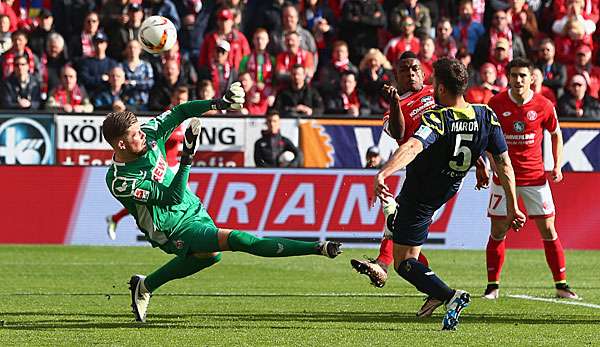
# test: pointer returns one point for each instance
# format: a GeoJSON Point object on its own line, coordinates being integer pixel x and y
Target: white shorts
{"type": "Point", "coordinates": [537, 199]}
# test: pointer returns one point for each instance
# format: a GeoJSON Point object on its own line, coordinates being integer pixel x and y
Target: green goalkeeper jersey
{"type": "Point", "coordinates": [158, 199]}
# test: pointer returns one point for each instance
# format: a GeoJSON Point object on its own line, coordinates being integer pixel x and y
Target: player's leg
{"type": "Point", "coordinates": [112, 221]}
{"type": "Point", "coordinates": [495, 249]}
{"type": "Point", "coordinates": [240, 241]}
{"type": "Point", "coordinates": [540, 206]}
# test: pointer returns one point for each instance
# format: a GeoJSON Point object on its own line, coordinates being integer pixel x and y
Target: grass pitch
{"type": "Point", "coordinates": [56, 295]}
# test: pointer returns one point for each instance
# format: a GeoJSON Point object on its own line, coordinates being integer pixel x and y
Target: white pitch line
{"type": "Point", "coordinates": [556, 301]}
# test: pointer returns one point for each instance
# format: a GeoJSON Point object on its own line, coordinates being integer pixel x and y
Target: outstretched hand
{"type": "Point", "coordinates": [234, 97]}
{"type": "Point", "coordinates": [380, 190]}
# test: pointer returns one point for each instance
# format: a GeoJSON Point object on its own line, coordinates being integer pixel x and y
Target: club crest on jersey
{"type": "Point", "coordinates": [532, 115]}
{"type": "Point", "coordinates": [141, 194]}
{"type": "Point", "coordinates": [123, 186]}
{"type": "Point", "coordinates": [519, 127]}
{"type": "Point", "coordinates": [506, 114]}
{"type": "Point", "coordinates": [158, 173]}
{"type": "Point", "coordinates": [153, 145]}
{"type": "Point", "coordinates": [179, 244]}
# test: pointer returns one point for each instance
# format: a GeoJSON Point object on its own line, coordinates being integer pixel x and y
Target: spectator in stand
{"type": "Point", "coordinates": [68, 96]}
{"type": "Point", "coordinates": [94, 70]}
{"type": "Point", "coordinates": [188, 71]}
{"type": "Point", "coordinates": [574, 37]}
{"type": "Point", "coordinates": [483, 92]}
{"type": "Point", "coordinates": [590, 9]}
{"type": "Point", "coordinates": [427, 57]}
{"type": "Point", "coordinates": [329, 75]}
{"type": "Point", "coordinates": [139, 76]}
{"type": "Point", "coordinates": [5, 34]}
{"type": "Point", "coordinates": [406, 41]}
{"type": "Point", "coordinates": [205, 90]}
{"type": "Point", "coordinates": [445, 44]}
{"type": "Point", "coordinates": [538, 87]}
{"type": "Point", "coordinates": [299, 99]}
{"type": "Point", "coordinates": [290, 23]}
{"type": "Point", "coordinates": [115, 97]}
{"type": "Point", "coordinates": [555, 74]}
{"type": "Point", "coordinates": [361, 20]}
{"type": "Point", "coordinates": [67, 18]}
{"type": "Point", "coordinates": [312, 11]}
{"type": "Point", "coordinates": [53, 61]}
{"type": "Point", "coordinates": [257, 101]}
{"type": "Point", "coordinates": [164, 8]}
{"type": "Point", "coordinates": [269, 148]}
{"type": "Point", "coordinates": [125, 30]}
{"type": "Point", "coordinates": [20, 48]}
{"type": "Point", "coordinates": [112, 13]}
{"type": "Point", "coordinates": [325, 36]}
{"type": "Point", "coordinates": [171, 78]}
{"type": "Point", "coordinates": [575, 12]}
{"type": "Point", "coordinates": [220, 71]}
{"type": "Point", "coordinates": [347, 99]}
{"type": "Point", "coordinates": [20, 91]}
{"type": "Point", "coordinates": [465, 58]}
{"type": "Point", "coordinates": [266, 14]}
{"type": "Point", "coordinates": [576, 102]}
{"type": "Point", "coordinates": [225, 31]}
{"type": "Point", "coordinates": [583, 66]}
{"type": "Point", "coordinates": [499, 30]}
{"type": "Point", "coordinates": [194, 17]}
{"type": "Point", "coordinates": [375, 72]}
{"type": "Point", "coordinates": [467, 31]}
{"type": "Point", "coordinates": [293, 55]}
{"type": "Point", "coordinates": [6, 8]}
{"type": "Point", "coordinates": [522, 21]}
{"type": "Point", "coordinates": [81, 45]}
{"type": "Point", "coordinates": [39, 36]}
{"type": "Point", "coordinates": [418, 12]}
{"type": "Point", "coordinates": [259, 63]}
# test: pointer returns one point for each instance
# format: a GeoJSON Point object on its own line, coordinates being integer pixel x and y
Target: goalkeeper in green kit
{"type": "Point", "coordinates": [168, 213]}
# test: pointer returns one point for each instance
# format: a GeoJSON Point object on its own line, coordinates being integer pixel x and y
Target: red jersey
{"type": "Point", "coordinates": [523, 127]}
{"type": "Point", "coordinates": [412, 105]}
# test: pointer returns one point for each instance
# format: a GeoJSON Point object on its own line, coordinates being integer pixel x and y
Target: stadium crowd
{"type": "Point", "coordinates": [301, 58]}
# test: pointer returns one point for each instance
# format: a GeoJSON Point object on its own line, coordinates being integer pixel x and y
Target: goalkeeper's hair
{"type": "Point", "coordinates": [116, 124]}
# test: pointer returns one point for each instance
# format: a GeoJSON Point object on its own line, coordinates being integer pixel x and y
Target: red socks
{"type": "Point", "coordinates": [119, 215]}
{"type": "Point", "coordinates": [555, 257]}
{"type": "Point", "coordinates": [386, 253]}
{"type": "Point", "coordinates": [494, 257]}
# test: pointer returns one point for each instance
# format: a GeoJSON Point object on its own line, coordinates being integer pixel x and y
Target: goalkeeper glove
{"type": "Point", "coordinates": [190, 141]}
{"type": "Point", "coordinates": [232, 100]}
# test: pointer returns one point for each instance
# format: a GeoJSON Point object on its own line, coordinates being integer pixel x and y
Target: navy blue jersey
{"type": "Point", "coordinates": [453, 139]}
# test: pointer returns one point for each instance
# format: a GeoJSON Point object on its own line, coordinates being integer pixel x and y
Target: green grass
{"type": "Point", "coordinates": [53, 295]}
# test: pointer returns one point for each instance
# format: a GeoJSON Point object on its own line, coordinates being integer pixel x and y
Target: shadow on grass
{"type": "Point", "coordinates": [236, 320]}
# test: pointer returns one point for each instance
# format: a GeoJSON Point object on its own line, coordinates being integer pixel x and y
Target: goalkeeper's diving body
{"type": "Point", "coordinates": [168, 213]}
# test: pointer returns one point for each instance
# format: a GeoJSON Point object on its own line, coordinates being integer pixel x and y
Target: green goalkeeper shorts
{"type": "Point", "coordinates": [195, 236]}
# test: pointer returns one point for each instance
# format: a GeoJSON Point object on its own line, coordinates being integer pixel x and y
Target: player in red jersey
{"type": "Point", "coordinates": [407, 104]}
{"type": "Point", "coordinates": [172, 148]}
{"type": "Point", "coordinates": [524, 115]}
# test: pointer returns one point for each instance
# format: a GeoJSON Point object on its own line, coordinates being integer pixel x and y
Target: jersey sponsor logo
{"type": "Point", "coordinates": [141, 194]}
{"type": "Point", "coordinates": [519, 126]}
{"type": "Point", "coordinates": [123, 186]}
{"type": "Point", "coordinates": [532, 115]}
{"type": "Point", "coordinates": [506, 114]}
{"type": "Point", "coordinates": [423, 132]}
{"type": "Point", "coordinates": [158, 173]}
{"type": "Point", "coordinates": [24, 141]}
{"type": "Point", "coordinates": [421, 108]}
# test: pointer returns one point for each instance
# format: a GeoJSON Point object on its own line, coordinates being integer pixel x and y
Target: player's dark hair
{"type": "Point", "coordinates": [408, 55]}
{"type": "Point", "coordinates": [519, 62]}
{"type": "Point", "coordinates": [452, 74]}
{"type": "Point", "coordinates": [116, 124]}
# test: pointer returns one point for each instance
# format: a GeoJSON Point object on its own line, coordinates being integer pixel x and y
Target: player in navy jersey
{"type": "Point", "coordinates": [450, 140]}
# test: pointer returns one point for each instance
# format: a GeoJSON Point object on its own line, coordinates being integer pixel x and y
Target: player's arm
{"type": "Point", "coordinates": [482, 173]}
{"type": "Point", "coordinates": [164, 124]}
{"type": "Point", "coordinates": [403, 156]}
{"type": "Point", "coordinates": [396, 125]}
{"type": "Point", "coordinates": [557, 153]}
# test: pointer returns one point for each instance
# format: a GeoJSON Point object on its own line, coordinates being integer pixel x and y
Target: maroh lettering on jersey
{"type": "Point", "coordinates": [158, 173]}
{"type": "Point", "coordinates": [464, 126]}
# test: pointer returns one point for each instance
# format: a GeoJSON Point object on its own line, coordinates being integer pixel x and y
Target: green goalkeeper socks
{"type": "Point", "coordinates": [178, 267]}
{"type": "Point", "coordinates": [270, 247]}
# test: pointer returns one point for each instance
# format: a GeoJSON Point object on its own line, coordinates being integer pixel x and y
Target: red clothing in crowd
{"type": "Point", "coordinates": [256, 102]}
{"type": "Point", "coordinates": [549, 94]}
{"type": "Point", "coordinates": [427, 67]}
{"type": "Point", "coordinates": [173, 146]}
{"type": "Point", "coordinates": [14, 19]}
{"type": "Point", "coordinates": [593, 78]}
{"type": "Point", "coordinates": [237, 41]}
{"type": "Point", "coordinates": [590, 9]}
{"type": "Point", "coordinates": [399, 45]}
{"type": "Point", "coordinates": [285, 61]}
{"type": "Point", "coordinates": [480, 94]}
{"type": "Point", "coordinates": [566, 47]}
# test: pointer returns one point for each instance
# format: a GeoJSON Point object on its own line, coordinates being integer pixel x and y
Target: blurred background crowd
{"type": "Point", "coordinates": [300, 58]}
